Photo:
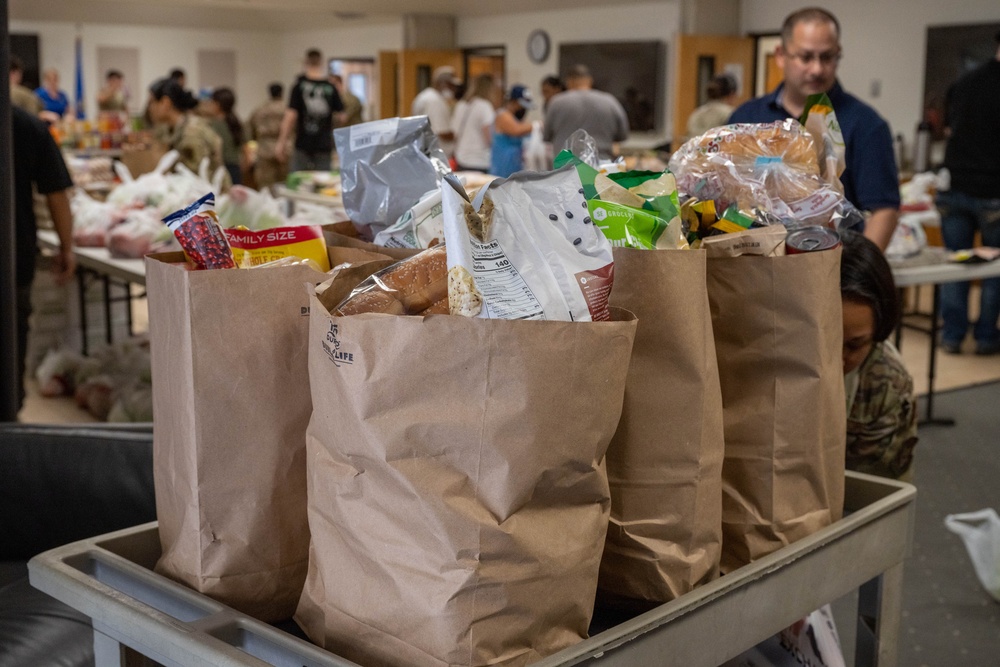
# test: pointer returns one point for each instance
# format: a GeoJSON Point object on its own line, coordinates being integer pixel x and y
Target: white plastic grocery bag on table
{"type": "Point", "coordinates": [981, 533]}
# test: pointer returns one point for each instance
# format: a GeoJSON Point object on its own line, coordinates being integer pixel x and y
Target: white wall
{"type": "Point", "coordinates": [883, 40]}
{"type": "Point", "coordinates": [621, 22]}
{"type": "Point", "coordinates": [351, 41]}
{"type": "Point", "coordinates": [160, 50]}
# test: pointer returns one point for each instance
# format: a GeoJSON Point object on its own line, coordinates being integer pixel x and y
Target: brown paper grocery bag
{"type": "Point", "coordinates": [230, 407]}
{"type": "Point", "coordinates": [779, 338]}
{"type": "Point", "coordinates": [665, 461]}
{"type": "Point", "coordinates": [343, 235]}
{"type": "Point", "coordinates": [458, 501]}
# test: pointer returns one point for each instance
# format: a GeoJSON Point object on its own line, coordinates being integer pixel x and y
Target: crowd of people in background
{"type": "Point", "coordinates": [277, 137]}
{"type": "Point", "coordinates": [483, 127]}
{"type": "Point", "coordinates": [480, 125]}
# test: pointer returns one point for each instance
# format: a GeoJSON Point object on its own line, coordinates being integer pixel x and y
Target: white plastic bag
{"type": "Point", "coordinates": [981, 533]}
{"type": "Point", "coordinates": [536, 255]}
{"type": "Point", "coordinates": [421, 226]}
{"type": "Point", "coordinates": [908, 240]}
{"type": "Point", "coordinates": [536, 157]}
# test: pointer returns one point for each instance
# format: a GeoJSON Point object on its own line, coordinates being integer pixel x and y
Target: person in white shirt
{"type": "Point", "coordinates": [435, 103]}
{"type": "Point", "coordinates": [473, 125]}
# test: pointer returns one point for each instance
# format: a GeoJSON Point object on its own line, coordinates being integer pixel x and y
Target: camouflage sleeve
{"type": "Point", "coordinates": [352, 106]}
{"type": "Point", "coordinates": [882, 426]}
{"type": "Point", "coordinates": [193, 148]}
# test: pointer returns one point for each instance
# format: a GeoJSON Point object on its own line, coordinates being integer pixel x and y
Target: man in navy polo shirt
{"type": "Point", "coordinates": [808, 56]}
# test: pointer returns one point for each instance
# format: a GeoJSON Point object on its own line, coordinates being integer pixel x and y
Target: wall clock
{"type": "Point", "coordinates": [538, 46]}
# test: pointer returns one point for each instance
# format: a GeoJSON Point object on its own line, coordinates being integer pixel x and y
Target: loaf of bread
{"type": "Point", "coordinates": [372, 301]}
{"type": "Point", "coordinates": [439, 307]}
{"type": "Point", "coordinates": [750, 164]}
{"type": "Point", "coordinates": [419, 281]}
{"type": "Point", "coordinates": [414, 286]}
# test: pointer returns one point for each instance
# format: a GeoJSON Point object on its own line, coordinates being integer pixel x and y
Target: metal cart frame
{"type": "Point", "coordinates": [136, 612]}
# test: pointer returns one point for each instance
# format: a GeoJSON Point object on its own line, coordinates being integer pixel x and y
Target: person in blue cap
{"type": "Point", "coordinates": [509, 130]}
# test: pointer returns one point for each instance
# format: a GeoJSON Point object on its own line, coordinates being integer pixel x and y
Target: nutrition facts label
{"type": "Point", "coordinates": [506, 294]}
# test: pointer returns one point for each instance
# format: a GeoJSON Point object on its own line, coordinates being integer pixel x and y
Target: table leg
{"type": "Point", "coordinates": [929, 419]}
{"type": "Point", "coordinates": [81, 282]}
{"type": "Point", "coordinates": [901, 292]}
{"type": "Point", "coordinates": [107, 308]}
{"type": "Point", "coordinates": [879, 607]}
{"type": "Point", "coordinates": [128, 308]}
{"type": "Point", "coordinates": [107, 651]}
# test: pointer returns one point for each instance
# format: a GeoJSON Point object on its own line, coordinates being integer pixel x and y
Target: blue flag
{"type": "Point", "coordinates": [80, 113]}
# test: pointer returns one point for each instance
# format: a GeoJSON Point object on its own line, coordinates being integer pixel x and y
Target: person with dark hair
{"type": "Point", "coordinates": [113, 96]}
{"type": "Point", "coordinates": [721, 93]}
{"type": "Point", "coordinates": [808, 57]}
{"type": "Point", "coordinates": [265, 126]}
{"type": "Point", "coordinates": [881, 409]}
{"type": "Point", "coordinates": [178, 76]}
{"type": "Point", "coordinates": [509, 130]}
{"type": "Point", "coordinates": [224, 122]}
{"type": "Point", "coordinates": [552, 85]}
{"type": "Point", "coordinates": [972, 156]}
{"type": "Point", "coordinates": [581, 107]}
{"type": "Point", "coordinates": [184, 132]}
{"type": "Point", "coordinates": [311, 108]}
{"type": "Point", "coordinates": [21, 96]}
{"type": "Point", "coordinates": [38, 165]}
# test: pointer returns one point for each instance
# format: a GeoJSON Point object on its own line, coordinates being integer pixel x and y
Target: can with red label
{"type": "Point", "coordinates": [811, 239]}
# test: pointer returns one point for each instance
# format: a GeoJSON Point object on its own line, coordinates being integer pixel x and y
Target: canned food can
{"type": "Point", "coordinates": [811, 239]}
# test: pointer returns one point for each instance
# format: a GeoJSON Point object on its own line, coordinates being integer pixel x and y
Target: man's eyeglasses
{"type": "Point", "coordinates": [826, 59]}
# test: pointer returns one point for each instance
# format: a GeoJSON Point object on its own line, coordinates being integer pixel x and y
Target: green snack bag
{"type": "Point", "coordinates": [585, 171]}
{"type": "Point", "coordinates": [628, 227]}
{"type": "Point", "coordinates": [658, 189]}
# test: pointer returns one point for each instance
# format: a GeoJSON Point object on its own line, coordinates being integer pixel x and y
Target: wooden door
{"type": "Point", "coordinates": [492, 65]}
{"type": "Point", "coordinates": [388, 84]}
{"type": "Point", "coordinates": [416, 66]}
{"type": "Point", "coordinates": [699, 58]}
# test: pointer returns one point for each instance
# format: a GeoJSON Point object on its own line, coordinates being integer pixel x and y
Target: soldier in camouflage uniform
{"type": "Point", "coordinates": [189, 135]}
{"type": "Point", "coordinates": [882, 417]}
{"type": "Point", "coordinates": [265, 125]}
{"type": "Point", "coordinates": [353, 109]}
{"type": "Point", "coordinates": [881, 411]}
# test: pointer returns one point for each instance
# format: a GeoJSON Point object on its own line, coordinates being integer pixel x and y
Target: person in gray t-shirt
{"type": "Point", "coordinates": [582, 107]}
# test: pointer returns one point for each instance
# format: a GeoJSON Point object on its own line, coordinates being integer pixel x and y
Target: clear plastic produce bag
{"type": "Point", "coordinates": [981, 533]}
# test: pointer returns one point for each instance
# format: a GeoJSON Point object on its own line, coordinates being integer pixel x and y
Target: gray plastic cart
{"type": "Point", "coordinates": [136, 612]}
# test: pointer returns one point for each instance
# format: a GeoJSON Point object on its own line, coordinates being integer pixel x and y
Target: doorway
{"type": "Point", "coordinates": [700, 57]}
{"type": "Point", "coordinates": [487, 60]}
{"type": "Point", "coordinates": [359, 76]}
{"type": "Point", "coordinates": [769, 75]}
